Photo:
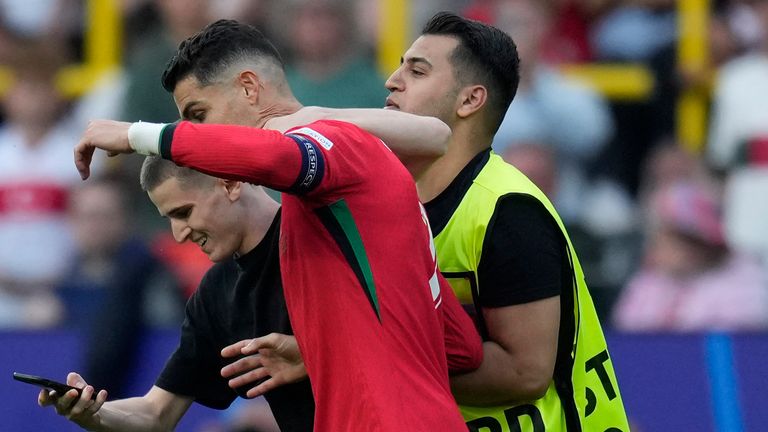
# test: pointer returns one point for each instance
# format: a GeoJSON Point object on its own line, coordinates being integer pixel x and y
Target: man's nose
{"type": "Point", "coordinates": [180, 230]}
{"type": "Point", "coordinates": [394, 83]}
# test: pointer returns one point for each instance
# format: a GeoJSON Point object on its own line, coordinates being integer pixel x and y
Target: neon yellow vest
{"type": "Point", "coordinates": [591, 399]}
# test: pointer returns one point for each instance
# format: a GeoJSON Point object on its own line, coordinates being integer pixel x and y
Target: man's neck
{"type": "Point", "coordinates": [283, 108]}
{"type": "Point", "coordinates": [261, 217]}
{"type": "Point", "coordinates": [461, 149]}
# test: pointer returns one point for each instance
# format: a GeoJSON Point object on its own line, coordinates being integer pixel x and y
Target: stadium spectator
{"type": "Point", "coordinates": [43, 19]}
{"type": "Point", "coordinates": [738, 140]}
{"type": "Point", "coordinates": [326, 67]}
{"type": "Point", "coordinates": [633, 31]}
{"type": "Point", "coordinates": [691, 280]}
{"type": "Point", "coordinates": [145, 99]}
{"type": "Point", "coordinates": [538, 162]}
{"type": "Point", "coordinates": [566, 40]}
{"type": "Point", "coordinates": [35, 180]}
{"type": "Point", "coordinates": [383, 315]}
{"type": "Point", "coordinates": [551, 109]}
{"type": "Point", "coordinates": [115, 288]}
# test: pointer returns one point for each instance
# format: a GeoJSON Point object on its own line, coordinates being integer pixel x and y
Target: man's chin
{"type": "Point", "coordinates": [213, 256]}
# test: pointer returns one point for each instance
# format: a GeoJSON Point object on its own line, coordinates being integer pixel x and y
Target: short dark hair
{"type": "Point", "coordinates": [485, 55]}
{"type": "Point", "coordinates": [216, 47]}
{"type": "Point", "coordinates": [155, 170]}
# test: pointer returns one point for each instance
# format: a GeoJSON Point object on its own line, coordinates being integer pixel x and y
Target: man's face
{"type": "Point", "coordinates": [203, 214]}
{"type": "Point", "coordinates": [424, 83]}
{"type": "Point", "coordinates": [220, 103]}
{"type": "Point", "coordinates": [98, 218]}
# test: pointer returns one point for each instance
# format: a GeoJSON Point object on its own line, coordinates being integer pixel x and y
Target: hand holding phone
{"type": "Point", "coordinates": [46, 383]}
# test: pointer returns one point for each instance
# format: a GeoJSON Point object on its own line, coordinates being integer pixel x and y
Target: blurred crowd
{"type": "Point", "coordinates": [671, 239]}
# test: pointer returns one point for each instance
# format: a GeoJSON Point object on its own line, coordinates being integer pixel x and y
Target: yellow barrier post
{"type": "Point", "coordinates": [102, 48]}
{"type": "Point", "coordinates": [693, 58]}
{"type": "Point", "coordinates": [393, 33]}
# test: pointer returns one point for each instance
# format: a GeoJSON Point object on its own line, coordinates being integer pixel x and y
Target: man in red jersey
{"type": "Point", "coordinates": [358, 266]}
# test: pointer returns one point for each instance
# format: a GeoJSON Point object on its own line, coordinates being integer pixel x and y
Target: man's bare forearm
{"type": "Point", "coordinates": [487, 386]}
{"type": "Point", "coordinates": [158, 411]}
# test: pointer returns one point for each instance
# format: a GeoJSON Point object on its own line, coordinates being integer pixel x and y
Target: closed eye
{"type": "Point", "coordinates": [197, 117]}
{"type": "Point", "coordinates": [180, 213]}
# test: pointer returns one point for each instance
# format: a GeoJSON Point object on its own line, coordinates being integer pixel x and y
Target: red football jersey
{"type": "Point", "coordinates": [368, 307]}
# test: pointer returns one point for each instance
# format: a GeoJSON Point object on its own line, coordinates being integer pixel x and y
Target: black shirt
{"type": "Point", "coordinates": [237, 299]}
{"type": "Point", "coordinates": [524, 255]}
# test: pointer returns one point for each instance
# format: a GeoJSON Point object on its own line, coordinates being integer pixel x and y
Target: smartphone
{"type": "Point", "coordinates": [60, 388]}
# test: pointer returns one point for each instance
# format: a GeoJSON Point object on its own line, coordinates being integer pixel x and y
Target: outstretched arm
{"type": "Point", "coordinates": [158, 410]}
{"type": "Point", "coordinates": [416, 140]}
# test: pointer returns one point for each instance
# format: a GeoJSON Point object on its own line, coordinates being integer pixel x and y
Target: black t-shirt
{"type": "Point", "coordinates": [524, 255]}
{"type": "Point", "coordinates": [237, 299]}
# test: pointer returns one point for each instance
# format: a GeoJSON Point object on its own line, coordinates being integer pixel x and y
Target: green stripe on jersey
{"type": "Point", "coordinates": [346, 221]}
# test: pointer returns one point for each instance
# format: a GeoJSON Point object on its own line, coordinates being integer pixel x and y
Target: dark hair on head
{"type": "Point", "coordinates": [485, 55]}
{"type": "Point", "coordinates": [216, 47]}
{"type": "Point", "coordinates": [155, 170]}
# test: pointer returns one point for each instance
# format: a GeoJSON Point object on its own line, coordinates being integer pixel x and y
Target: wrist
{"type": "Point", "coordinates": [144, 137]}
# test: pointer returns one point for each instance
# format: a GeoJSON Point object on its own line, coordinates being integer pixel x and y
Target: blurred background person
{"type": "Point", "coordinates": [740, 93]}
{"type": "Point", "coordinates": [538, 162]}
{"type": "Point", "coordinates": [550, 108]}
{"type": "Point", "coordinates": [115, 288]}
{"type": "Point", "coordinates": [738, 134]}
{"type": "Point", "coordinates": [690, 279]}
{"type": "Point", "coordinates": [325, 64]}
{"type": "Point", "coordinates": [159, 26]}
{"type": "Point", "coordinates": [35, 180]}
{"type": "Point", "coordinates": [633, 30]}
{"type": "Point", "coordinates": [554, 131]}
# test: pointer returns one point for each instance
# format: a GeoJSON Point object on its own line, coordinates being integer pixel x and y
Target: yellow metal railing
{"type": "Point", "coordinates": [102, 50]}
{"type": "Point", "coordinates": [394, 33]}
{"type": "Point", "coordinates": [693, 58]}
{"type": "Point", "coordinates": [5, 79]}
{"type": "Point", "coordinates": [615, 81]}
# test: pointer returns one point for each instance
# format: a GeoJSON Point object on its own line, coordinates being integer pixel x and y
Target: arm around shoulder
{"type": "Point", "coordinates": [416, 140]}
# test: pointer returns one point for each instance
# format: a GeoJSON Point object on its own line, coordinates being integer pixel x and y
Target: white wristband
{"type": "Point", "coordinates": [144, 138]}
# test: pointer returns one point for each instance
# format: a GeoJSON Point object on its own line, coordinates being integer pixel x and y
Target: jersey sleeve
{"type": "Point", "coordinates": [194, 368]}
{"type": "Point", "coordinates": [463, 345]}
{"type": "Point", "coordinates": [523, 254]}
{"type": "Point", "coordinates": [321, 157]}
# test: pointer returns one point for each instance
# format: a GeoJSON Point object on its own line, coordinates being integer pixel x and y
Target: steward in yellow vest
{"type": "Point", "coordinates": [502, 246]}
{"type": "Point", "coordinates": [583, 394]}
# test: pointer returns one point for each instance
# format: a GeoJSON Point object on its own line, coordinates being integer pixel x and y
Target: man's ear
{"type": "Point", "coordinates": [472, 99]}
{"type": "Point", "coordinates": [250, 83]}
{"type": "Point", "coordinates": [233, 188]}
